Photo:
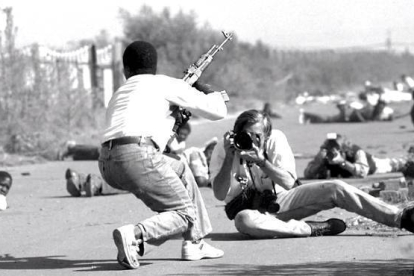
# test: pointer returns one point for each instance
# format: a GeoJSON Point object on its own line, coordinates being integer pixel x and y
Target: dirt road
{"type": "Point", "coordinates": [47, 232]}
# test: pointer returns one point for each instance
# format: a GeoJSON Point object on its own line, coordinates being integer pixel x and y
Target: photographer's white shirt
{"type": "Point", "coordinates": [141, 107]}
{"type": "Point", "coordinates": [279, 154]}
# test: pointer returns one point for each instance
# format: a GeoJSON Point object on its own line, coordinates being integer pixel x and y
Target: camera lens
{"type": "Point", "coordinates": [243, 141]}
{"type": "Point", "coordinates": [330, 155]}
{"type": "Point", "coordinates": [273, 207]}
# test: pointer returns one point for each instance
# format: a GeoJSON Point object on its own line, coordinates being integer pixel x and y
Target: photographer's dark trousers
{"type": "Point", "coordinates": [309, 199]}
{"type": "Point", "coordinates": [166, 185]}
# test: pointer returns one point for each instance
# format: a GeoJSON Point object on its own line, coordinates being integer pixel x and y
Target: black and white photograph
{"type": "Point", "coordinates": [207, 137]}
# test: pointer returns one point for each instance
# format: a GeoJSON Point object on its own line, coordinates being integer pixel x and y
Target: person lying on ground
{"type": "Point", "coordinates": [253, 172]}
{"type": "Point", "coordinates": [339, 158]}
{"type": "Point", "coordinates": [81, 184]}
{"type": "Point", "coordinates": [79, 152]}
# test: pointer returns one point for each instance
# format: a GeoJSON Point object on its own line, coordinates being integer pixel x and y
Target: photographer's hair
{"type": "Point", "coordinates": [6, 179]}
{"type": "Point", "coordinates": [251, 117]}
{"type": "Point", "coordinates": [139, 57]}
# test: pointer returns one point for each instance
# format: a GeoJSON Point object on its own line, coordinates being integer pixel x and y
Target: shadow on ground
{"type": "Point", "coordinates": [235, 236]}
{"type": "Point", "coordinates": [400, 267]}
{"type": "Point", "coordinates": [8, 262]}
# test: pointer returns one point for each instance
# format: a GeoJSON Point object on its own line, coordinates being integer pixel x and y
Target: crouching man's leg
{"type": "Point", "coordinates": [178, 203]}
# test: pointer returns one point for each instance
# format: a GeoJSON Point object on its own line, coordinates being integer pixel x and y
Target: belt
{"type": "Point", "coordinates": [128, 140]}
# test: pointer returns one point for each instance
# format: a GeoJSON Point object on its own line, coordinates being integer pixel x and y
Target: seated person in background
{"type": "Point", "coordinates": [267, 108]}
{"type": "Point", "coordinates": [253, 172]}
{"type": "Point", "coordinates": [79, 152]}
{"type": "Point", "coordinates": [78, 184]}
{"type": "Point", "coordinates": [6, 182]}
{"type": "Point", "coordinates": [177, 145]}
{"type": "Point", "coordinates": [198, 160]}
{"type": "Point", "coordinates": [337, 157]}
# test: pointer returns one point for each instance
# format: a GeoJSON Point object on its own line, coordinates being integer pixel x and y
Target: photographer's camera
{"type": "Point", "coordinates": [242, 140]}
{"type": "Point", "coordinates": [268, 202]}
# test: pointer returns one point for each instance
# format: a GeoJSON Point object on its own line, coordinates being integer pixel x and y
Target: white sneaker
{"type": "Point", "coordinates": [201, 250]}
{"type": "Point", "coordinates": [127, 245]}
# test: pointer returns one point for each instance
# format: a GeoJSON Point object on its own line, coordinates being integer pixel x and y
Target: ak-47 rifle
{"type": "Point", "coordinates": [193, 73]}
{"type": "Point", "coordinates": [196, 69]}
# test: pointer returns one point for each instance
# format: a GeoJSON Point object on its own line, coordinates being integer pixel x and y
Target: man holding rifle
{"type": "Point", "coordinates": [139, 123]}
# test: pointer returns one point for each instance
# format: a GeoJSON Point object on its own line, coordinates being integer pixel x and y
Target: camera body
{"type": "Point", "coordinates": [330, 155]}
{"type": "Point", "coordinates": [268, 202]}
{"type": "Point", "coordinates": [242, 140]}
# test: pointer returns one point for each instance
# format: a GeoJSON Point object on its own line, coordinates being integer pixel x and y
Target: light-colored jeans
{"type": "Point", "coordinates": [309, 199]}
{"type": "Point", "coordinates": [164, 184]}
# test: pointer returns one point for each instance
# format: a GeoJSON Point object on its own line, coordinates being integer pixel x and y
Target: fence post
{"type": "Point", "coordinates": [93, 65]}
{"type": "Point", "coordinates": [117, 70]}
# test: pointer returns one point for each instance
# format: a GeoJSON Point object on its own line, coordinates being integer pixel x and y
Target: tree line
{"type": "Point", "coordinates": [248, 70]}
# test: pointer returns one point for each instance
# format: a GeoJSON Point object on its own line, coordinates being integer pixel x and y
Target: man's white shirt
{"type": "Point", "coordinates": [141, 107]}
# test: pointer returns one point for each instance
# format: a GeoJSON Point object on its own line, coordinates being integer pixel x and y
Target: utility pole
{"type": "Point", "coordinates": [388, 41]}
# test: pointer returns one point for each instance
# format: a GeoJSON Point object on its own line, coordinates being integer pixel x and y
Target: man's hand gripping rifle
{"type": "Point", "coordinates": [193, 73]}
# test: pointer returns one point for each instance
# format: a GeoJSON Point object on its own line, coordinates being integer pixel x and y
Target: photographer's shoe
{"type": "Point", "coordinates": [407, 219]}
{"type": "Point", "coordinates": [127, 245]}
{"type": "Point", "coordinates": [193, 251]}
{"type": "Point", "coordinates": [330, 227]}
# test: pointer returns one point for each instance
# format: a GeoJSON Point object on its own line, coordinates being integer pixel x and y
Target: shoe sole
{"type": "Point", "coordinates": [199, 258]}
{"type": "Point", "coordinates": [121, 244]}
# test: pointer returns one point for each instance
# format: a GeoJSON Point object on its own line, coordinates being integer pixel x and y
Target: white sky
{"type": "Point", "coordinates": [282, 23]}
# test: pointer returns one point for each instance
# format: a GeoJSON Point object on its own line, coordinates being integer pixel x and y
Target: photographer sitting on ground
{"type": "Point", "coordinates": [338, 157]}
{"type": "Point", "coordinates": [253, 171]}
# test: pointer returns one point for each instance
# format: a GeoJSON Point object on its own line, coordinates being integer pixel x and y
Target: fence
{"type": "Point", "coordinates": [97, 71]}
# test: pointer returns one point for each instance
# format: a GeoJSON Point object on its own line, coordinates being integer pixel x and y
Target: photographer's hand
{"type": "Point", "coordinates": [221, 183]}
{"type": "Point", "coordinates": [255, 155]}
{"type": "Point", "coordinates": [228, 143]}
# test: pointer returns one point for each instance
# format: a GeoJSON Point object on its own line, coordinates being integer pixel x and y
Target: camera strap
{"type": "Point", "coordinates": [243, 176]}
{"type": "Point", "coordinates": [252, 177]}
